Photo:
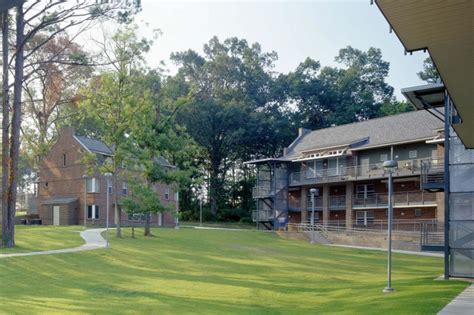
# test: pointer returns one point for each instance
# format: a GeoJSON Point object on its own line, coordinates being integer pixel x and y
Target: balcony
{"type": "Point", "coordinates": [432, 175]}
{"type": "Point", "coordinates": [371, 171]}
{"type": "Point", "coordinates": [335, 203]}
{"type": "Point", "coordinates": [400, 199]}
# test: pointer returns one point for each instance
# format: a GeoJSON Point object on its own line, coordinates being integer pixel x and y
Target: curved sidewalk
{"type": "Point", "coordinates": [92, 237]}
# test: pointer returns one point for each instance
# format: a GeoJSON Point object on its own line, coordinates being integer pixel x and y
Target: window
{"type": "Point", "coordinates": [412, 154]}
{"type": "Point", "coordinates": [109, 188]}
{"type": "Point", "coordinates": [417, 212]}
{"type": "Point", "coordinates": [124, 188]}
{"type": "Point", "coordinates": [92, 185]}
{"type": "Point", "coordinates": [365, 191]}
{"type": "Point", "coordinates": [93, 212]}
{"type": "Point", "coordinates": [383, 157]}
{"type": "Point", "coordinates": [167, 193]}
{"type": "Point", "coordinates": [364, 217]}
{"type": "Point", "coordinates": [64, 159]}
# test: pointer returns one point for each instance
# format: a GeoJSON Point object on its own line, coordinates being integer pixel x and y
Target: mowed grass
{"type": "Point", "coordinates": [221, 272]}
{"type": "Point", "coordinates": [40, 238]}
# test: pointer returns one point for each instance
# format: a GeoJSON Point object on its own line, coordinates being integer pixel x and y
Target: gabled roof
{"type": "Point", "coordinates": [402, 128]}
{"type": "Point", "coordinates": [94, 145]}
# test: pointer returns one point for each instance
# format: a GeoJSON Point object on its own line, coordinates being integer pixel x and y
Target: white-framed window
{"type": "Point", "coordinates": [365, 191]}
{"type": "Point", "coordinates": [383, 157]}
{"type": "Point", "coordinates": [365, 217]}
{"type": "Point", "coordinates": [167, 193]}
{"type": "Point", "coordinates": [92, 185]}
{"type": "Point", "coordinates": [92, 211]}
{"type": "Point", "coordinates": [417, 212]}
{"type": "Point", "coordinates": [109, 188]}
{"type": "Point", "coordinates": [124, 188]}
{"type": "Point", "coordinates": [412, 154]}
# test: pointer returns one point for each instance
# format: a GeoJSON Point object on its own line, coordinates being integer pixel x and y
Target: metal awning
{"type": "Point", "coordinates": [425, 96]}
{"type": "Point", "coordinates": [445, 30]}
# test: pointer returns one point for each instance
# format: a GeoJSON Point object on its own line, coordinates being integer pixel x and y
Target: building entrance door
{"type": "Point", "coordinates": [55, 215]}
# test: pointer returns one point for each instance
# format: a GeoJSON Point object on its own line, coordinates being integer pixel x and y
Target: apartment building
{"type": "Point", "coordinates": [344, 166]}
{"type": "Point", "coordinates": [68, 193]}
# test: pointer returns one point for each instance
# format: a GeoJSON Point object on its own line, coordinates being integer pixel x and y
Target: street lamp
{"type": "Point", "coordinates": [85, 201]}
{"type": "Point", "coordinates": [177, 211]}
{"type": "Point", "coordinates": [390, 167]}
{"type": "Point", "coordinates": [107, 176]}
{"type": "Point", "coordinates": [313, 192]}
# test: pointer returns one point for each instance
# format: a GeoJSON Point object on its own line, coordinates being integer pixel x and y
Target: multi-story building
{"type": "Point", "coordinates": [68, 193]}
{"type": "Point", "coordinates": [344, 165]}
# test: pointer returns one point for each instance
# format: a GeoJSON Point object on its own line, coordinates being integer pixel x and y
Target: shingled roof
{"type": "Point", "coordinates": [406, 127]}
{"type": "Point", "coordinates": [94, 145]}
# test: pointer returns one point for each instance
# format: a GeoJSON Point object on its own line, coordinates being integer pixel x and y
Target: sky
{"type": "Point", "coordinates": [294, 29]}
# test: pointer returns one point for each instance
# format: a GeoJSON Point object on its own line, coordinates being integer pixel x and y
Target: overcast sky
{"type": "Point", "coordinates": [294, 29]}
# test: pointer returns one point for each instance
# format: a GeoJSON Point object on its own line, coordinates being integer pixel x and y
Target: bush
{"type": "Point", "coordinates": [231, 214]}
{"type": "Point", "coordinates": [246, 220]}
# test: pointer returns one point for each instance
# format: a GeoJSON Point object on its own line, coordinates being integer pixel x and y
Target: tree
{"type": "Point", "coordinates": [117, 102]}
{"type": "Point", "coordinates": [143, 201]}
{"type": "Point", "coordinates": [429, 73]}
{"type": "Point", "coordinates": [226, 86]}
{"type": "Point", "coordinates": [49, 89]}
{"type": "Point", "coordinates": [32, 17]}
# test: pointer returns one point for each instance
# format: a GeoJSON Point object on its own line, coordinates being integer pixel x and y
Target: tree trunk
{"type": "Point", "coordinates": [147, 225]}
{"type": "Point", "coordinates": [133, 229]}
{"type": "Point", "coordinates": [214, 188]}
{"type": "Point", "coordinates": [117, 214]}
{"type": "Point", "coordinates": [5, 124]}
{"type": "Point", "coordinates": [15, 133]}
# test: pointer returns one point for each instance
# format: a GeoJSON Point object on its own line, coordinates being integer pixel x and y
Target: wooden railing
{"type": "Point", "coordinates": [405, 168]}
{"type": "Point", "coordinates": [399, 199]}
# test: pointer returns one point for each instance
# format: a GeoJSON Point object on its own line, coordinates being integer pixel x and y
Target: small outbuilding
{"type": "Point", "coordinates": [61, 211]}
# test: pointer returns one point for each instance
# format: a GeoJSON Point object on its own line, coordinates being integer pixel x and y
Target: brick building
{"type": "Point", "coordinates": [344, 165]}
{"type": "Point", "coordinates": [66, 195]}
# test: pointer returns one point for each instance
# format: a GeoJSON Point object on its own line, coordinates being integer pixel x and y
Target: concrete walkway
{"type": "Point", "coordinates": [399, 251]}
{"type": "Point", "coordinates": [92, 237]}
{"type": "Point", "coordinates": [462, 304]}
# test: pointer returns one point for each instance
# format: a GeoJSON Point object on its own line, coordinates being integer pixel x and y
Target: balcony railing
{"type": "Point", "coordinates": [337, 202]}
{"type": "Point", "coordinates": [432, 174]}
{"type": "Point", "coordinates": [411, 198]}
{"type": "Point", "coordinates": [262, 192]}
{"type": "Point", "coordinates": [405, 168]}
{"type": "Point", "coordinates": [412, 225]}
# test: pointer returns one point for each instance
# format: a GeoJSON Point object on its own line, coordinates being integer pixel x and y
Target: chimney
{"type": "Point", "coordinates": [303, 131]}
{"type": "Point", "coordinates": [66, 132]}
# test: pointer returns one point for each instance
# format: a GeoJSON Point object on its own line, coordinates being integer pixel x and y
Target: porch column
{"type": "Point", "coordinates": [440, 207]}
{"type": "Point", "coordinates": [325, 204]}
{"type": "Point", "coordinates": [349, 204]}
{"type": "Point", "coordinates": [304, 205]}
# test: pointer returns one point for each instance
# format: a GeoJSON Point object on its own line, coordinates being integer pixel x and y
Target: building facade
{"type": "Point", "coordinates": [344, 166]}
{"type": "Point", "coordinates": [71, 190]}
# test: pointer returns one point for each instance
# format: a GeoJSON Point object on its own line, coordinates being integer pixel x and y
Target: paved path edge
{"type": "Point", "coordinates": [92, 237]}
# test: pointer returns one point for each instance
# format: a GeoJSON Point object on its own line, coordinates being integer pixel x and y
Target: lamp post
{"type": "Point", "coordinates": [107, 176]}
{"type": "Point", "coordinates": [177, 211]}
{"type": "Point", "coordinates": [312, 192]}
{"type": "Point", "coordinates": [85, 201]}
{"type": "Point", "coordinates": [390, 166]}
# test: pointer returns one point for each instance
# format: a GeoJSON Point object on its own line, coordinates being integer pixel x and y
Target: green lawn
{"type": "Point", "coordinates": [220, 272]}
{"type": "Point", "coordinates": [39, 238]}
